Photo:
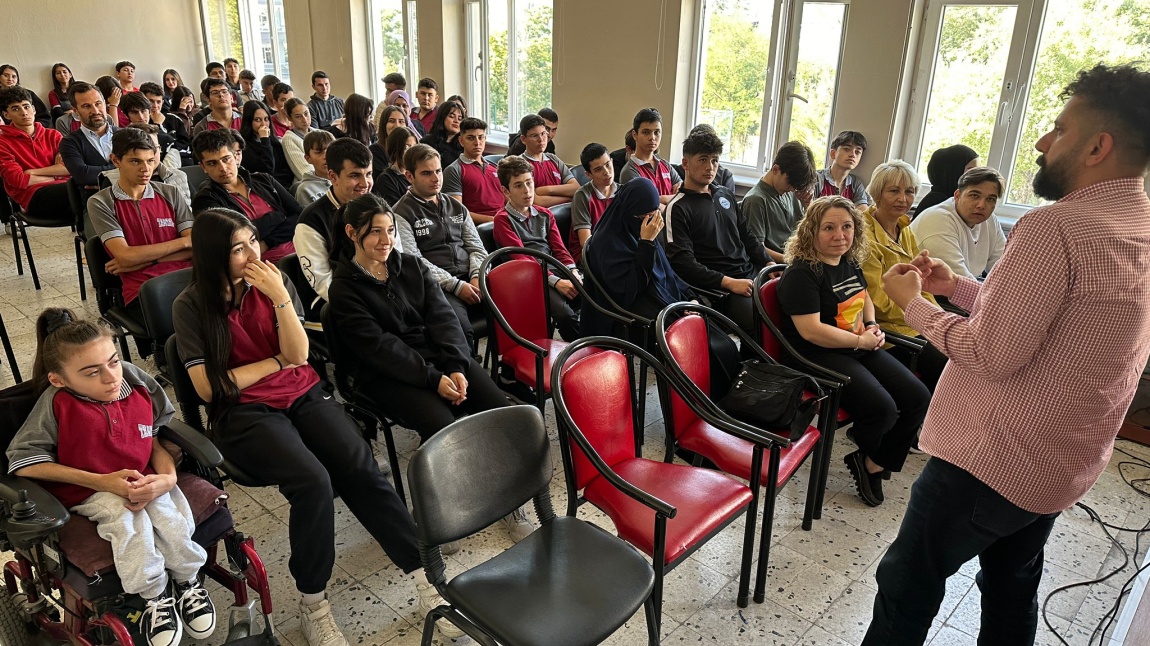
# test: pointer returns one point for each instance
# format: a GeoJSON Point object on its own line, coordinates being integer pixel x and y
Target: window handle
{"type": "Point", "coordinates": [796, 96]}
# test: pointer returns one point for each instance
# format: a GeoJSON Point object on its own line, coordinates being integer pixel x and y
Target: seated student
{"type": "Point", "coordinates": [139, 109]}
{"type": "Point", "coordinates": [315, 183]}
{"type": "Point", "coordinates": [248, 90]}
{"type": "Point", "coordinates": [553, 181]}
{"type": "Point", "coordinates": [946, 165]}
{"type": "Point", "coordinates": [239, 332]}
{"type": "Point", "coordinates": [292, 142]}
{"type": "Point", "coordinates": [125, 76]}
{"type": "Point", "coordinates": [471, 179]}
{"type": "Point", "coordinates": [709, 242]}
{"type": "Point", "coordinates": [110, 88]}
{"type": "Point", "coordinates": [830, 320]}
{"type": "Point", "coordinates": [87, 152]}
{"type": "Point", "coordinates": [264, 201]}
{"type": "Point", "coordinates": [232, 74]}
{"type": "Point", "coordinates": [168, 124]}
{"type": "Point", "coordinates": [67, 123]}
{"type": "Point", "coordinates": [10, 77]}
{"type": "Point", "coordinates": [163, 173]}
{"type": "Point", "coordinates": [216, 71]}
{"type": "Point", "coordinates": [455, 98]}
{"type": "Point", "coordinates": [427, 93]}
{"type": "Point", "coordinates": [515, 145]}
{"type": "Point", "coordinates": [324, 106]}
{"type": "Point", "coordinates": [58, 95]}
{"type": "Point", "coordinates": [390, 118]}
{"type": "Point", "coordinates": [647, 129]}
{"type": "Point", "coordinates": [172, 80]}
{"type": "Point", "coordinates": [220, 102]}
{"type": "Point", "coordinates": [146, 226]}
{"type": "Point", "coordinates": [263, 152]}
{"type": "Point", "coordinates": [628, 260]}
{"type": "Point", "coordinates": [391, 183]}
{"type": "Point", "coordinates": [183, 107]}
{"type": "Point", "coordinates": [356, 120]}
{"type": "Point", "coordinates": [593, 198]}
{"type": "Point", "coordinates": [963, 231]}
{"type": "Point", "coordinates": [837, 179]}
{"type": "Point", "coordinates": [522, 224]}
{"type": "Point", "coordinates": [892, 188]}
{"type": "Point", "coordinates": [127, 486]}
{"type": "Point", "coordinates": [620, 156]}
{"type": "Point", "coordinates": [394, 81]}
{"type": "Point", "coordinates": [724, 177]}
{"type": "Point", "coordinates": [438, 230]}
{"type": "Point", "coordinates": [267, 83]}
{"type": "Point", "coordinates": [281, 121]}
{"type": "Point", "coordinates": [771, 207]}
{"type": "Point", "coordinates": [32, 170]}
{"type": "Point", "coordinates": [401, 100]}
{"type": "Point", "coordinates": [444, 133]}
{"type": "Point", "coordinates": [348, 165]}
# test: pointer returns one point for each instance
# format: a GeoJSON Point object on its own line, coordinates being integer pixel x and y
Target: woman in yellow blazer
{"type": "Point", "coordinates": [892, 189]}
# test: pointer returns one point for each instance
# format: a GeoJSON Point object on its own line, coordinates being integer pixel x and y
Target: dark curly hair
{"type": "Point", "coordinates": [1120, 97]}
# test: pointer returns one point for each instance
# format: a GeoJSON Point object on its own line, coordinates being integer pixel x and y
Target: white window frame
{"type": "Point", "coordinates": [250, 41]}
{"type": "Point", "coordinates": [410, 65]}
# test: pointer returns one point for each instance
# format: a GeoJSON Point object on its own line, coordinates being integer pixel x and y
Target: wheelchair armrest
{"type": "Point", "coordinates": [50, 512]}
{"type": "Point", "coordinates": [193, 442]}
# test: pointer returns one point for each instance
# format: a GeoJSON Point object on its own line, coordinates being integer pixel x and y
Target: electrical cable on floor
{"type": "Point", "coordinates": [1107, 620]}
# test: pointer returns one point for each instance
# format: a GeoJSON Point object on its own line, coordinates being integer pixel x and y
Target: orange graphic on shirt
{"type": "Point", "coordinates": [850, 315]}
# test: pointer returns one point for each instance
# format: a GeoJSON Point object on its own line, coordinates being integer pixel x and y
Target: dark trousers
{"type": "Point", "coordinates": [422, 409]}
{"type": "Point", "coordinates": [740, 309]}
{"type": "Point", "coordinates": [929, 366]}
{"type": "Point", "coordinates": [311, 450]}
{"type": "Point", "coordinates": [50, 201]}
{"type": "Point", "coordinates": [951, 518]}
{"type": "Point", "coordinates": [563, 314]}
{"type": "Point", "coordinates": [885, 400]}
{"type": "Point", "coordinates": [462, 312]}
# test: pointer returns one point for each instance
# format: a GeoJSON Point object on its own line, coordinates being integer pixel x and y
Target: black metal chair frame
{"type": "Point", "coordinates": [109, 298]}
{"type": "Point", "coordinates": [8, 350]}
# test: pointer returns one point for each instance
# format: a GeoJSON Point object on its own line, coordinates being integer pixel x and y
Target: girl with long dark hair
{"type": "Point", "coordinates": [444, 135]}
{"type": "Point", "coordinates": [356, 120]}
{"type": "Point", "coordinates": [183, 106]}
{"type": "Point", "coordinates": [263, 151]}
{"type": "Point", "coordinates": [58, 95]}
{"type": "Point", "coordinates": [390, 182]}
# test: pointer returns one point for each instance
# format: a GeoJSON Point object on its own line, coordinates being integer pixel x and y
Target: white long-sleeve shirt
{"type": "Point", "coordinates": [968, 251]}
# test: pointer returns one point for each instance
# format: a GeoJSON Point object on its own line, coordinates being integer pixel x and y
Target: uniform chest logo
{"type": "Point", "coordinates": [145, 430]}
{"type": "Point", "coordinates": [724, 202]}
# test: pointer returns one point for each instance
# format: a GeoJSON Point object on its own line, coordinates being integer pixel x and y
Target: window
{"type": "Point", "coordinates": [509, 39]}
{"type": "Point", "coordinates": [222, 30]}
{"type": "Point", "coordinates": [391, 34]}
{"type": "Point", "coordinates": [990, 72]}
{"type": "Point", "coordinates": [814, 59]}
{"type": "Point", "coordinates": [251, 31]}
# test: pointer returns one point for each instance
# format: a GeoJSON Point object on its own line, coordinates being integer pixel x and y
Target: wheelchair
{"type": "Point", "coordinates": [62, 582]}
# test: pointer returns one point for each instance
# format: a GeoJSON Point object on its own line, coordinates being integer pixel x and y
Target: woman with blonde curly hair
{"type": "Point", "coordinates": [830, 320]}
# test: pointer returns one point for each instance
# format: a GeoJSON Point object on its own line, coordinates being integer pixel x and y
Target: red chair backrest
{"type": "Point", "coordinates": [516, 289]}
{"type": "Point", "coordinates": [597, 394]}
{"type": "Point", "coordinates": [687, 340]}
{"type": "Point", "coordinates": [769, 296]}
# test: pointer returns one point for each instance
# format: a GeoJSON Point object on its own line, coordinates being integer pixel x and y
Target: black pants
{"type": "Point", "coordinates": [930, 363]}
{"type": "Point", "coordinates": [423, 410]}
{"type": "Point", "coordinates": [741, 310]}
{"type": "Point", "coordinates": [50, 201]}
{"type": "Point", "coordinates": [564, 314]}
{"type": "Point", "coordinates": [885, 400]}
{"type": "Point", "coordinates": [951, 518]}
{"type": "Point", "coordinates": [463, 313]}
{"type": "Point", "coordinates": [311, 450]}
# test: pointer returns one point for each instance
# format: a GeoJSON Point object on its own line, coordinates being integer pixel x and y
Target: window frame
{"type": "Point", "coordinates": [251, 44]}
{"type": "Point", "coordinates": [410, 65]}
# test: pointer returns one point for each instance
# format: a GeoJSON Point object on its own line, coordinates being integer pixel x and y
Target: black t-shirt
{"type": "Point", "coordinates": [837, 293]}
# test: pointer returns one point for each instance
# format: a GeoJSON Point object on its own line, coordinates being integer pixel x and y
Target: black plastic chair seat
{"type": "Point", "coordinates": [134, 327]}
{"type": "Point", "coordinates": [59, 219]}
{"type": "Point", "coordinates": [569, 583]}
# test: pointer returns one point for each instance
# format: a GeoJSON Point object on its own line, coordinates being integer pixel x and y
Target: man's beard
{"type": "Point", "coordinates": [1051, 181]}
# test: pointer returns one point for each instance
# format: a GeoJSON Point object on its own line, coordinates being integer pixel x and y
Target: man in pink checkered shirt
{"type": "Point", "coordinates": [1040, 374]}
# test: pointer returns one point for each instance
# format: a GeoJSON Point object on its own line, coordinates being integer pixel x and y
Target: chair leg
{"type": "Point", "coordinates": [80, 268]}
{"type": "Point", "coordinates": [393, 459]}
{"type": "Point", "coordinates": [429, 627]}
{"type": "Point", "coordinates": [8, 351]}
{"type": "Point", "coordinates": [28, 252]}
{"type": "Point", "coordinates": [816, 480]}
{"type": "Point", "coordinates": [641, 401]}
{"type": "Point", "coordinates": [16, 246]}
{"type": "Point", "coordinates": [769, 496]}
{"type": "Point", "coordinates": [124, 349]}
{"type": "Point", "coordinates": [652, 622]}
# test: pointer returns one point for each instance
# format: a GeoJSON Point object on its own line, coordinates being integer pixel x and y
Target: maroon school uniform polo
{"type": "Point", "coordinates": [482, 192]}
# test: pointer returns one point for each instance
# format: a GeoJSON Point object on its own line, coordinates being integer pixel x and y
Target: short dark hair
{"type": "Point", "coordinates": [428, 82]}
{"type": "Point", "coordinates": [269, 79]}
{"type": "Point", "coordinates": [472, 123]}
{"type": "Point", "coordinates": [417, 154]}
{"type": "Point", "coordinates": [135, 101]}
{"type": "Point", "coordinates": [629, 139]}
{"type": "Point", "coordinates": [280, 89]}
{"type": "Point", "coordinates": [797, 162]}
{"type": "Point", "coordinates": [207, 84]}
{"type": "Point", "coordinates": [591, 152]}
{"type": "Point", "coordinates": [528, 122]}
{"type": "Point", "coordinates": [248, 75]}
{"type": "Point", "coordinates": [1120, 96]}
{"type": "Point", "coordinates": [549, 114]}
{"type": "Point", "coordinates": [152, 89]}
{"type": "Point", "coordinates": [702, 141]}
{"type": "Point", "coordinates": [230, 60]}
{"type": "Point", "coordinates": [125, 140]}
{"type": "Point", "coordinates": [511, 167]}
{"type": "Point", "coordinates": [212, 140]}
{"type": "Point", "coordinates": [147, 128]}
{"type": "Point", "coordinates": [980, 174]}
{"type": "Point", "coordinates": [214, 65]}
{"type": "Point", "coordinates": [849, 138]}
{"type": "Point", "coordinates": [80, 87]}
{"type": "Point", "coordinates": [346, 149]}
{"type": "Point", "coordinates": [646, 115]}
{"type": "Point", "coordinates": [14, 94]}
{"type": "Point", "coordinates": [122, 64]}
{"type": "Point", "coordinates": [395, 78]}
{"type": "Point", "coordinates": [318, 74]}
{"type": "Point", "coordinates": [317, 139]}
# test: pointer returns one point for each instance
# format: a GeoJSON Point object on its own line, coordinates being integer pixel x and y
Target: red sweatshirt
{"type": "Point", "coordinates": [19, 152]}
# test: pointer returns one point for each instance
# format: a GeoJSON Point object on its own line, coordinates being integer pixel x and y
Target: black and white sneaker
{"type": "Point", "coordinates": [196, 609]}
{"type": "Point", "coordinates": [159, 623]}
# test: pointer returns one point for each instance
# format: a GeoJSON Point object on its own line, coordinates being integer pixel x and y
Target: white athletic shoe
{"type": "Point", "coordinates": [318, 625]}
{"type": "Point", "coordinates": [429, 599]}
{"type": "Point", "coordinates": [517, 525]}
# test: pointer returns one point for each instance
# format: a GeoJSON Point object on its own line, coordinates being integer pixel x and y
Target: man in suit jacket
{"type": "Point", "coordinates": [86, 151]}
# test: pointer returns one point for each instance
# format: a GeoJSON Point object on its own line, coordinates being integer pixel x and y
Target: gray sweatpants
{"type": "Point", "coordinates": [149, 542]}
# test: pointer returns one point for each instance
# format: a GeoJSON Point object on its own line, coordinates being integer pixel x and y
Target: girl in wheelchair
{"type": "Point", "coordinates": [90, 438]}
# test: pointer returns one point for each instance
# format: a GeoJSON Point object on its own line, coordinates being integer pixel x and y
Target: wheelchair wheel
{"type": "Point", "coordinates": [14, 629]}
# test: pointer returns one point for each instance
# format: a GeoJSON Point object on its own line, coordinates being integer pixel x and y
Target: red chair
{"type": "Point", "coordinates": [516, 297]}
{"type": "Point", "coordinates": [666, 510]}
{"type": "Point", "coordinates": [683, 344]}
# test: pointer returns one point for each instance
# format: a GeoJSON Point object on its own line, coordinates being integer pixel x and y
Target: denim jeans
{"type": "Point", "coordinates": [951, 518]}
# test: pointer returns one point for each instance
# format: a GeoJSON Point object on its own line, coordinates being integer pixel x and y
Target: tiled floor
{"type": "Point", "coordinates": [821, 582]}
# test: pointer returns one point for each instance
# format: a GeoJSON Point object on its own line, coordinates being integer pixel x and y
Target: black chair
{"type": "Point", "coordinates": [8, 351]}
{"type": "Point", "coordinates": [21, 220]}
{"type": "Point", "coordinates": [487, 235]}
{"type": "Point", "coordinates": [156, 298]}
{"type": "Point", "coordinates": [493, 159]}
{"type": "Point", "coordinates": [110, 298]}
{"type": "Point", "coordinates": [291, 267]}
{"type": "Point", "coordinates": [562, 214]}
{"type": "Point", "coordinates": [79, 203]}
{"type": "Point", "coordinates": [580, 174]}
{"type": "Point", "coordinates": [196, 177]}
{"type": "Point", "coordinates": [569, 583]}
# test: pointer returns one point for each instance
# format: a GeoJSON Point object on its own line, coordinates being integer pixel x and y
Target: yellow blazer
{"type": "Point", "coordinates": [884, 254]}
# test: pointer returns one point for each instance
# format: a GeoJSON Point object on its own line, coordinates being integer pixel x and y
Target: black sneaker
{"type": "Point", "coordinates": [196, 609]}
{"type": "Point", "coordinates": [159, 623]}
{"type": "Point", "coordinates": [856, 464]}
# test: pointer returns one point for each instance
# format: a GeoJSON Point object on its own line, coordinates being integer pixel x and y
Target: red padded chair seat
{"type": "Point", "coordinates": [92, 554]}
{"type": "Point", "coordinates": [733, 454]}
{"type": "Point", "coordinates": [522, 360]}
{"type": "Point", "coordinates": [706, 500]}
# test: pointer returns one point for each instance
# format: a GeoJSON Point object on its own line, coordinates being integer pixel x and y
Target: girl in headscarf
{"type": "Point", "coordinates": [946, 165]}
{"type": "Point", "coordinates": [402, 99]}
{"type": "Point", "coordinates": [625, 256]}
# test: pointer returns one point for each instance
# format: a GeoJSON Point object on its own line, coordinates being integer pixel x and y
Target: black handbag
{"type": "Point", "coordinates": [770, 396]}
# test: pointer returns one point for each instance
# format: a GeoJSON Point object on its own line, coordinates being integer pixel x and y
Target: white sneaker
{"type": "Point", "coordinates": [517, 525]}
{"type": "Point", "coordinates": [429, 599]}
{"type": "Point", "coordinates": [160, 625]}
{"type": "Point", "coordinates": [449, 548]}
{"type": "Point", "coordinates": [319, 626]}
